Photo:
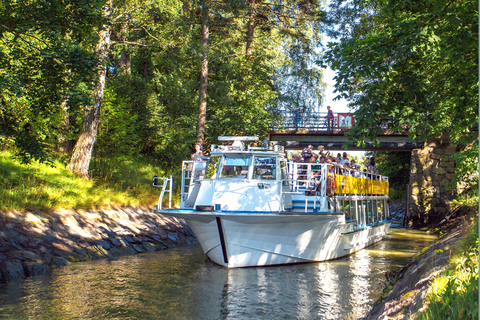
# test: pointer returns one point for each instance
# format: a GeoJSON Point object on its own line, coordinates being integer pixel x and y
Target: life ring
{"type": "Point", "coordinates": [330, 185]}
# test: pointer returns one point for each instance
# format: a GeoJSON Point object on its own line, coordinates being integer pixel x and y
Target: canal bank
{"type": "Point", "coordinates": [406, 293]}
{"type": "Point", "coordinates": [32, 242]}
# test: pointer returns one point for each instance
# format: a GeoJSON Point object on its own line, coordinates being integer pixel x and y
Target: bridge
{"type": "Point", "coordinates": [432, 164]}
{"type": "Point", "coordinates": [297, 132]}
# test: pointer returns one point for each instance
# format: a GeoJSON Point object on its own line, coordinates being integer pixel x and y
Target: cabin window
{"type": "Point", "coordinates": [265, 168]}
{"type": "Point", "coordinates": [235, 166]}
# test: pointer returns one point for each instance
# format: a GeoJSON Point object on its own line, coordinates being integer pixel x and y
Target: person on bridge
{"type": "Point", "coordinates": [329, 118]}
{"type": "Point", "coordinates": [299, 118]}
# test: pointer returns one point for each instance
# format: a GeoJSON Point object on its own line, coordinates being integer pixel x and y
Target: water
{"type": "Point", "coordinates": [181, 283]}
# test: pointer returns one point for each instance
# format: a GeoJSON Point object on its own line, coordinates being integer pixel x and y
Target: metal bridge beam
{"type": "Point", "coordinates": [297, 140]}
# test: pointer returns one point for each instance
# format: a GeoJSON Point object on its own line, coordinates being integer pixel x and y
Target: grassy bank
{"type": "Point", "coordinates": [40, 186]}
{"type": "Point", "coordinates": [454, 294]}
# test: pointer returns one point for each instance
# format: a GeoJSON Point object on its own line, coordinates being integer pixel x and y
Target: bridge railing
{"type": "Point", "coordinates": [316, 121]}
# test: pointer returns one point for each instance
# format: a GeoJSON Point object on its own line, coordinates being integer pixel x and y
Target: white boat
{"type": "Point", "coordinates": [253, 207]}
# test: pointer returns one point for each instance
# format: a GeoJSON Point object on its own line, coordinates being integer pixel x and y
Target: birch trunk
{"type": "Point", "coordinates": [82, 152]}
{"type": "Point", "coordinates": [202, 104]}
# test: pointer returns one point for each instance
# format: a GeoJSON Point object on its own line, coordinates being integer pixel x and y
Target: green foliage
{"type": "Point", "coordinates": [45, 58]}
{"type": "Point", "coordinates": [403, 66]}
{"type": "Point", "coordinates": [395, 165]}
{"type": "Point", "coordinates": [49, 69]}
{"type": "Point", "coordinates": [454, 295]}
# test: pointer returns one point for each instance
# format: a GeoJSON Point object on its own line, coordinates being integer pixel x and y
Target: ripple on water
{"type": "Point", "coordinates": [181, 283]}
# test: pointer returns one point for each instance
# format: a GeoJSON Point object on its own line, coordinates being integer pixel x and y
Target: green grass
{"type": "Point", "coordinates": [454, 294]}
{"type": "Point", "coordinates": [40, 186]}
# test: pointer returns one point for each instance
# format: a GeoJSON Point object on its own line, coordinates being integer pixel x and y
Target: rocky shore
{"type": "Point", "coordinates": [32, 242]}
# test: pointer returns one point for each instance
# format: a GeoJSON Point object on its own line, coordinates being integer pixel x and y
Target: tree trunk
{"type": "Point", "coordinates": [125, 61]}
{"type": "Point", "coordinates": [202, 105]}
{"type": "Point", "coordinates": [82, 152]}
{"type": "Point", "coordinates": [250, 28]}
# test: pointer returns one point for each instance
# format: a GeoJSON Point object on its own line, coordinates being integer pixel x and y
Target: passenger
{"type": "Point", "coordinates": [338, 159]}
{"type": "Point", "coordinates": [323, 152]}
{"type": "Point", "coordinates": [372, 166]}
{"type": "Point", "coordinates": [357, 173]}
{"type": "Point", "coordinates": [198, 150]}
{"type": "Point", "coordinates": [307, 154]}
{"type": "Point", "coordinates": [353, 164]}
{"type": "Point", "coordinates": [322, 159]}
{"type": "Point", "coordinates": [317, 168]}
{"type": "Point", "coordinates": [346, 166]}
{"type": "Point", "coordinates": [344, 158]}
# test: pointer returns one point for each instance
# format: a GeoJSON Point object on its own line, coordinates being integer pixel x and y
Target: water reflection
{"type": "Point", "coordinates": [181, 284]}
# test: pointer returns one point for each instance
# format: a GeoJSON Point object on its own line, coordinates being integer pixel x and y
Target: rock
{"type": "Point", "coordinates": [12, 269]}
{"type": "Point", "coordinates": [149, 246]}
{"type": "Point", "coordinates": [128, 239]}
{"type": "Point", "coordinates": [138, 248]}
{"type": "Point", "coordinates": [115, 242]}
{"type": "Point", "coordinates": [173, 236]}
{"type": "Point", "coordinates": [156, 238]}
{"type": "Point", "coordinates": [34, 268]}
{"type": "Point", "coordinates": [59, 261]}
{"type": "Point", "coordinates": [162, 233]}
{"type": "Point", "coordinates": [23, 255]}
{"type": "Point", "coordinates": [102, 243]}
{"type": "Point", "coordinates": [122, 251]}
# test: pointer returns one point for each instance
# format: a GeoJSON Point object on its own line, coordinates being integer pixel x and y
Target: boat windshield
{"type": "Point", "coordinates": [265, 168]}
{"type": "Point", "coordinates": [235, 166]}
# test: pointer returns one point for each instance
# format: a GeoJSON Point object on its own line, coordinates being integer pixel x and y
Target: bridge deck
{"type": "Point", "coordinates": [296, 134]}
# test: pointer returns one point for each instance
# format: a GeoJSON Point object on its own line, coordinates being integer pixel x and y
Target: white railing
{"type": "Point", "coordinates": [166, 187]}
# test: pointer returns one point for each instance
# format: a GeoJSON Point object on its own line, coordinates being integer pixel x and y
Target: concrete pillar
{"type": "Point", "coordinates": [431, 169]}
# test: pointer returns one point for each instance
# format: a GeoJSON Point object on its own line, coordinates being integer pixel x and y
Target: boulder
{"type": "Point", "coordinates": [12, 269]}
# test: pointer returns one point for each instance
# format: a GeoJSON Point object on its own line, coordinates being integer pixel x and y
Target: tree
{"type": "Point", "coordinates": [82, 153]}
{"type": "Point", "coordinates": [45, 61]}
{"type": "Point", "coordinates": [202, 94]}
{"type": "Point", "coordinates": [401, 64]}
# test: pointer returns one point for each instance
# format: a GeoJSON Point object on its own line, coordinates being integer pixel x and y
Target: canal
{"type": "Point", "coordinates": [181, 283]}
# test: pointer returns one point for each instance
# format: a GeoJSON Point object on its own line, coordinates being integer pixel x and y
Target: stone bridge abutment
{"type": "Point", "coordinates": [431, 174]}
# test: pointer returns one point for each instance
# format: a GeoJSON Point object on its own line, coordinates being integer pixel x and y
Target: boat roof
{"type": "Point", "coordinates": [238, 147]}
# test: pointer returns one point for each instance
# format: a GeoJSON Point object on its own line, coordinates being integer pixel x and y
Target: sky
{"type": "Point", "coordinates": [337, 106]}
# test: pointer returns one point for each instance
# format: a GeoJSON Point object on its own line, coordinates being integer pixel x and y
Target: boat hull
{"type": "Point", "coordinates": [260, 239]}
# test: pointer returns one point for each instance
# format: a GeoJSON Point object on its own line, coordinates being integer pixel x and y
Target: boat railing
{"type": "Point", "coordinates": [307, 176]}
{"type": "Point", "coordinates": [167, 185]}
{"type": "Point", "coordinates": [187, 167]}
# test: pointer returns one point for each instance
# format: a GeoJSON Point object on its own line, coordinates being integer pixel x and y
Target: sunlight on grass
{"type": "Point", "coordinates": [454, 295]}
{"type": "Point", "coordinates": [39, 186]}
